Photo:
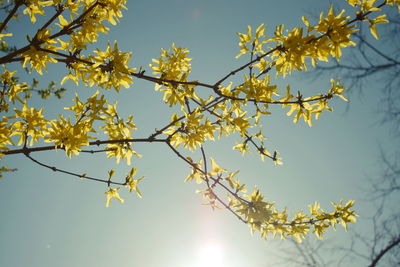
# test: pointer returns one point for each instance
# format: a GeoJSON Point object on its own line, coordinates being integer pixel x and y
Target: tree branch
{"type": "Point", "coordinates": [93, 143]}
{"type": "Point", "coordinates": [81, 176]}
{"type": "Point", "coordinates": [11, 14]}
{"type": "Point", "coordinates": [389, 246]}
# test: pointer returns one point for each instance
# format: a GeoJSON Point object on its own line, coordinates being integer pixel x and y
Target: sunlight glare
{"type": "Point", "coordinates": [211, 255]}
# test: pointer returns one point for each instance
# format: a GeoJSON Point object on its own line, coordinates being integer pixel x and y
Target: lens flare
{"type": "Point", "coordinates": [211, 255]}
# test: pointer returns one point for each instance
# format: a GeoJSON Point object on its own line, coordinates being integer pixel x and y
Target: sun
{"type": "Point", "coordinates": [210, 255]}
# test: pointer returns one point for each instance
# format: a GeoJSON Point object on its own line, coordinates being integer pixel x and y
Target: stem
{"type": "Point", "coordinates": [10, 15]}
{"type": "Point", "coordinates": [59, 11]}
{"type": "Point", "coordinates": [194, 166]}
{"type": "Point", "coordinates": [391, 245]}
{"type": "Point", "coordinates": [93, 143]}
{"type": "Point", "coordinates": [70, 173]}
{"type": "Point", "coordinates": [9, 57]}
{"type": "Point", "coordinates": [245, 66]}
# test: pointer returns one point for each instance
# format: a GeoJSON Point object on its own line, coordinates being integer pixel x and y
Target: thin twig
{"type": "Point", "coordinates": [81, 176]}
{"type": "Point", "coordinates": [11, 14]}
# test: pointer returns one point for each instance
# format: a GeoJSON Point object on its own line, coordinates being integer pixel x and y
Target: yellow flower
{"type": "Point", "coordinates": [131, 183]}
{"type": "Point", "coordinates": [32, 124]}
{"type": "Point", "coordinates": [37, 59]}
{"type": "Point", "coordinates": [35, 7]}
{"type": "Point", "coordinates": [373, 22]}
{"type": "Point", "coordinates": [112, 193]}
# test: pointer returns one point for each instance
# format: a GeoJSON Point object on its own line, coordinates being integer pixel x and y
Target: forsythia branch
{"type": "Point", "coordinates": [201, 116]}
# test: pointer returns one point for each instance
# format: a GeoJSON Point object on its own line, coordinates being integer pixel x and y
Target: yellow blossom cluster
{"type": "Point", "coordinates": [202, 112]}
{"type": "Point", "coordinates": [107, 69]}
{"type": "Point", "coordinates": [262, 216]}
{"type": "Point", "coordinates": [174, 65]}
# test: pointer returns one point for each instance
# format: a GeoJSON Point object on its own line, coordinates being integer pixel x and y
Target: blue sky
{"type": "Point", "coordinates": [50, 219]}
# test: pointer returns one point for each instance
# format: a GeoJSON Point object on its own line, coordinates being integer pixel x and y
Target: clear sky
{"type": "Point", "coordinates": [50, 219]}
